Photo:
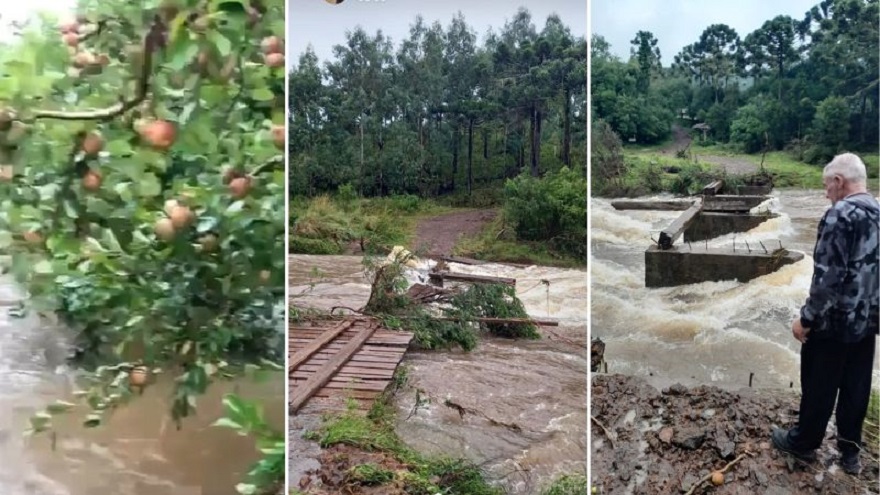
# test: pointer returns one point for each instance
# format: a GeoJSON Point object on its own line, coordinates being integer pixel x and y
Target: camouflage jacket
{"type": "Point", "coordinates": [845, 293]}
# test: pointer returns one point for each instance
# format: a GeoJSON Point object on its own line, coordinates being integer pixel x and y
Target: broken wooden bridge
{"type": "Point", "coordinates": [336, 359]}
{"type": "Point", "coordinates": [352, 358]}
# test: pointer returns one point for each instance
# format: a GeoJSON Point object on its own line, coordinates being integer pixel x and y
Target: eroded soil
{"type": "Point", "coordinates": [666, 441]}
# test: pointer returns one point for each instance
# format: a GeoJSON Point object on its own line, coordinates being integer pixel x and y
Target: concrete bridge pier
{"type": "Point", "coordinates": [692, 264]}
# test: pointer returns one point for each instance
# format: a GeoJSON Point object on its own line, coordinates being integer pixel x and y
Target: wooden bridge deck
{"type": "Point", "coordinates": [351, 358]}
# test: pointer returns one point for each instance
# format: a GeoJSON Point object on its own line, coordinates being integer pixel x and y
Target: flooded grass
{"type": "Point", "coordinates": [568, 484]}
{"type": "Point", "coordinates": [397, 468]}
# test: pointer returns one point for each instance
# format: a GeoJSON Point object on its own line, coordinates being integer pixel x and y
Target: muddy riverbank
{"type": "Point", "coordinates": [647, 440]}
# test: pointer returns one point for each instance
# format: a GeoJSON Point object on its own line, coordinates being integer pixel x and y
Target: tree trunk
{"type": "Point", "coordinates": [470, 165]}
{"type": "Point", "coordinates": [485, 143]}
{"type": "Point", "coordinates": [455, 139]}
{"type": "Point", "coordinates": [536, 141]}
{"type": "Point", "coordinates": [566, 127]}
{"type": "Point", "coordinates": [533, 158]}
{"type": "Point", "coordinates": [363, 169]}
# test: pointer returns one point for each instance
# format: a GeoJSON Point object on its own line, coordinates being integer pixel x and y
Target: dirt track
{"type": "Point", "coordinates": [731, 165]}
{"type": "Point", "coordinates": [665, 441]}
{"type": "Point", "coordinates": [436, 236]}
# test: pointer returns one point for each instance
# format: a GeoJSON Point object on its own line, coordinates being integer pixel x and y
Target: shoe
{"type": "Point", "coordinates": [850, 463]}
{"type": "Point", "coordinates": [780, 441]}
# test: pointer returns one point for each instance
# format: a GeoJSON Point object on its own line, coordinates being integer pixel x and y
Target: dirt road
{"type": "Point", "coordinates": [436, 236]}
{"type": "Point", "coordinates": [731, 165]}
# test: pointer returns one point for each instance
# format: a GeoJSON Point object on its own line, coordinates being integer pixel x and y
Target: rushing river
{"type": "Point", "coordinates": [138, 451]}
{"type": "Point", "coordinates": [712, 332]}
{"type": "Point", "coordinates": [529, 397]}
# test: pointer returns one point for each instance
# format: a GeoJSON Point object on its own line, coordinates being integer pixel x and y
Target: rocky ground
{"type": "Point", "coordinates": [648, 441]}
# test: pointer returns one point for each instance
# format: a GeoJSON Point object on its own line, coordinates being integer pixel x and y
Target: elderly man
{"type": "Point", "coordinates": [839, 321]}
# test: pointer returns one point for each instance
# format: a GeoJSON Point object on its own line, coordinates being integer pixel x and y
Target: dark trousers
{"type": "Point", "coordinates": [833, 370]}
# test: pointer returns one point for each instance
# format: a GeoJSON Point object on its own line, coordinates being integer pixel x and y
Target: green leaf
{"type": "Point", "coordinates": [262, 94]}
{"type": "Point", "coordinates": [246, 489]}
{"type": "Point", "coordinates": [40, 420]}
{"type": "Point", "coordinates": [95, 244]}
{"type": "Point", "coordinates": [224, 46]}
{"type": "Point", "coordinates": [92, 421]}
{"type": "Point", "coordinates": [149, 186]}
{"type": "Point", "coordinates": [5, 239]}
{"type": "Point", "coordinates": [119, 147]}
{"type": "Point", "coordinates": [43, 267]}
{"type": "Point", "coordinates": [235, 207]}
{"type": "Point", "coordinates": [183, 52]}
{"type": "Point", "coordinates": [60, 406]}
{"type": "Point", "coordinates": [227, 423]}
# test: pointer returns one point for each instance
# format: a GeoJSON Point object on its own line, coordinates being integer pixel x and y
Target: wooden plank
{"type": "Point", "coordinates": [713, 187]}
{"type": "Point", "coordinates": [462, 261]}
{"type": "Point", "coordinates": [354, 394]}
{"type": "Point", "coordinates": [378, 386]}
{"type": "Point", "coordinates": [670, 234]}
{"type": "Point", "coordinates": [543, 322]}
{"type": "Point", "coordinates": [302, 355]}
{"type": "Point", "coordinates": [463, 277]}
{"type": "Point", "coordinates": [359, 364]}
{"type": "Point", "coordinates": [358, 357]}
{"type": "Point", "coordinates": [324, 377]}
{"type": "Point", "coordinates": [347, 372]}
{"type": "Point", "coordinates": [670, 205]}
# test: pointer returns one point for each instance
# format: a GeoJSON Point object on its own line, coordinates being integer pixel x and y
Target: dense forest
{"type": "Point", "coordinates": [806, 85]}
{"type": "Point", "coordinates": [439, 113]}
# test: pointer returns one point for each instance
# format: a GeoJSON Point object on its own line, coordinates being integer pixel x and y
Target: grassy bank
{"type": "Point", "coordinates": [324, 225]}
{"type": "Point", "coordinates": [362, 451]}
{"type": "Point", "coordinates": [786, 170]}
{"type": "Point", "coordinates": [497, 242]}
{"type": "Point", "coordinates": [330, 225]}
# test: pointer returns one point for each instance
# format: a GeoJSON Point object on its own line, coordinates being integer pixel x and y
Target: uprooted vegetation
{"type": "Point", "coordinates": [456, 320]}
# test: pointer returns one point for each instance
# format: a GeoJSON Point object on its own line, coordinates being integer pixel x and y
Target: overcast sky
{"type": "Point", "coordinates": [678, 23]}
{"type": "Point", "coordinates": [324, 25]}
{"type": "Point", "coordinates": [17, 11]}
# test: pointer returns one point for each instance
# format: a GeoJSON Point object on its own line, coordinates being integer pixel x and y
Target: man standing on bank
{"type": "Point", "coordinates": [839, 322]}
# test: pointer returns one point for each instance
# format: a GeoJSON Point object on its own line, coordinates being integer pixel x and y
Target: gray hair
{"type": "Point", "coordinates": [847, 165]}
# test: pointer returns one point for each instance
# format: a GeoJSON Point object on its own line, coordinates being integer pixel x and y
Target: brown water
{"type": "Point", "coordinates": [526, 400]}
{"type": "Point", "coordinates": [137, 452]}
{"type": "Point", "coordinates": [712, 332]}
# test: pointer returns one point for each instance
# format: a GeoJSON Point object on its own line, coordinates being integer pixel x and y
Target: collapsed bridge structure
{"type": "Point", "coordinates": [710, 215]}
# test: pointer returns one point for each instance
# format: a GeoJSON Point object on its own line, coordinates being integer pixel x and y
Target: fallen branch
{"type": "Point", "coordinates": [607, 433]}
{"type": "Point", "coordinates": [709, 476]}
{"type": "Point", "coordinates": [510, 321]}
{"type": "Point", "coordinates": [571, 342]}
{"type": "Point", "coordinates": [334, 308]}
{"type": "Point", "coordinates": [462, 410]}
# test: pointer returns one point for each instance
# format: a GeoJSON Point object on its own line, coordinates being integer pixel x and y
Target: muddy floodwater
{"type": "Point", "coordinates": [526, 400]}
{"type": "Point", "coordinates": [714, 333]}
{"type": "Point", "coordinates": [138, 451]}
